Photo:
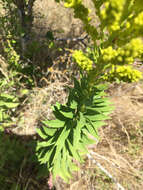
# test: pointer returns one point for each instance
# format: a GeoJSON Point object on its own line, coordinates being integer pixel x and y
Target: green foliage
{"type": "Point", "coordinates": [117, 33]}
{"type": "Point", "coordinates": [7, 102]}
{"type": "Point", "coordinates": [12, 57]}
{"type": "Point", "coordinates": [67, 137]}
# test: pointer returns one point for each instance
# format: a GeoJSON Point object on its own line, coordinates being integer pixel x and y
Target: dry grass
{"type": "Point", "coordinates": [39, 107]}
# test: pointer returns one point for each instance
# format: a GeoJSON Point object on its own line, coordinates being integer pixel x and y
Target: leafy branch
{"type": "Point", "coordinates": [67, 137]}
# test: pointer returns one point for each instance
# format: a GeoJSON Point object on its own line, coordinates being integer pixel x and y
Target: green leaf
{"type": "Point", "coordinates": [47, 156]}
{"type": "Point", "coordinates": [58, 105]}
{"type": "Point", "coordinates": [11, 105]}
{"type": "Point", "coordinates": [56, 166]}
{"type": "Point", "coordinates": [99, 99]}
{"type": "Point", "coordinates": [98, 124]}
{"type": "Point", "coordinates": [1, 115]}
{"type": "Point", "coordinates": [101, 104]}
{"type": "Point", "coordinates": [73, 167]}
{"type": "Point", "coordinates": [2, 103]}
{"type": "Point", "coordinates": [64, 171]}
{"type": "Point", "coordinates": [77, 130]}
{"type": "Point", "coordinates": [67, 114]}
{"type": "Point", "coordinates": [73, 104]}
{"type": "Point", "coordinates": [77, 84]}
{"type": "Point", "coordinates": [59, 115]}
{"type": "Point", "coordinates": [63, 136]}
{"type": "Point", "coordinates": [92, 131]}
{"type": "Point", "coordinates": [97, 117]}
{"type": "Point", "coordinates": [41, 134]}
{"type": "Point", "coordinates": [1, 129]}
{"type": "Point", "coordinates": [83, 149]}
{"type": "Point", "coordinates": [54, 123]}
{"type": "Point", "coordinates": [83, 83]}
{"type": "Point", "coordinates": [77, 87]}
{"type": "Point", "coordinates": [73, 151]}
{"type": "Point", "coordinates": [49, 130]}
{"type": "Point", "coordinates": [7, 96]}
{"type": "Point", "coordinates": [85, 140]}
{"type": "Point", "coordinates": [100, 109]}
{"type": "Point", "coordinates": [44, 144]}
{"type": "Point", "coordinates": [101, 87]}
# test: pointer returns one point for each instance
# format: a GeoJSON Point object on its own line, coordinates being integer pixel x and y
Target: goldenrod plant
{"type": "Point", "coordinates": [117, 43]}
{"type": "Point", "coordinates": [67, 137]}
{"type": "Point", "coordinates": [116, 37]}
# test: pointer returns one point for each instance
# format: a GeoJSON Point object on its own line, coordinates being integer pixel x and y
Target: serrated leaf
{"type": "Point", "coordinates": [54, 123]}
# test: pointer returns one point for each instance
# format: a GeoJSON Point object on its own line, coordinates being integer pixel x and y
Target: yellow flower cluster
{"type": "Point", "coordinates": [135, 46]}
{"type": "Point", "coordinates": [82, 60]}
{"type": "Point", "coordinates": [125, 54]}
{"type": "Point", "coordinates": [112, 13]}
{"type": "Point", "coordinates": [123, 73]}
{"type": "Point", "coordinates": [139, 19]}
{"type": "Point", "coordinates": [72, 3]}
{"type": "Point", "coordinates": [118, 36]}
{"type": "Point", "coordinates": [108, 54]}
{"type": "Point", "coordinates": [134, 24]}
